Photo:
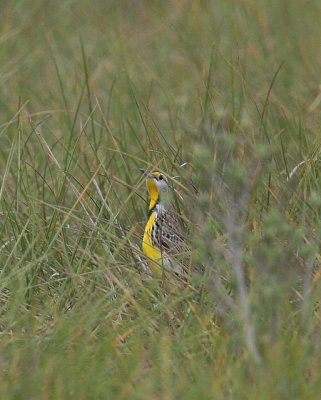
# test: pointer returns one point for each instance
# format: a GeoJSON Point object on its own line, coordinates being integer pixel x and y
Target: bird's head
{"type": "Point", "coordinates": [156, 181]}
{"type": "Point", "coordinates": [157, 184]}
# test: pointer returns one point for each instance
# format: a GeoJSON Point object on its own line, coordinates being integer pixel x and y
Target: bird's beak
{"type": "Point", "coordinates": [146, 173]}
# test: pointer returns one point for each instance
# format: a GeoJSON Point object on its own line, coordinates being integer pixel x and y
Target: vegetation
{"type": "Point", "coordinates": [224, 95]}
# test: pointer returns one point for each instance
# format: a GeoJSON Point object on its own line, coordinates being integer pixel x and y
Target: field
{"type": "Point", "coordinates": [225, 98]}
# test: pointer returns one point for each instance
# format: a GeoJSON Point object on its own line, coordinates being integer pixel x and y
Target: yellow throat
{"type": "Point", "coordinates": [153, 193]}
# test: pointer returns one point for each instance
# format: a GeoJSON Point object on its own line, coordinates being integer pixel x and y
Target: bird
{"type": "Point", "coordinates": [163, 242]}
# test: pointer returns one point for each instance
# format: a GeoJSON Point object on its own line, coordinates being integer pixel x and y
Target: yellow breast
{"type": "Point", "coordinates": [152, 252]}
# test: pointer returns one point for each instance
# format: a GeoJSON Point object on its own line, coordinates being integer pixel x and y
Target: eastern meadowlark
{"type": "Point", "coordinates": [162, 240]}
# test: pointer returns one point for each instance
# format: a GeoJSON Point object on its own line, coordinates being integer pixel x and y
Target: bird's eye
{"type": "Point", "coordinates": [160, 177]}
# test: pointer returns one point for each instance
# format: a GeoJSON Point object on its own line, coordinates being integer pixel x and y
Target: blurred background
{"type": "Point", "coordinates": [226, 96]}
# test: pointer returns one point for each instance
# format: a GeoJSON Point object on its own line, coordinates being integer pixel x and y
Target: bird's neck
{"type": "Point", "coordinates": [153, 195]}
{"type": "Point", "coordinates": [154, 200]}
{"type": "Point", "coordinates": [161, 201]}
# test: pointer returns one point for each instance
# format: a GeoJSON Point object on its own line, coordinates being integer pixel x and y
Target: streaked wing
{"type": "Point", "coordinates": [170, 236]}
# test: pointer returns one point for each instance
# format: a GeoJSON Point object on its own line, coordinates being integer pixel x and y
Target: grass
{"type": "Point", "coordinates": [224, 95]}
